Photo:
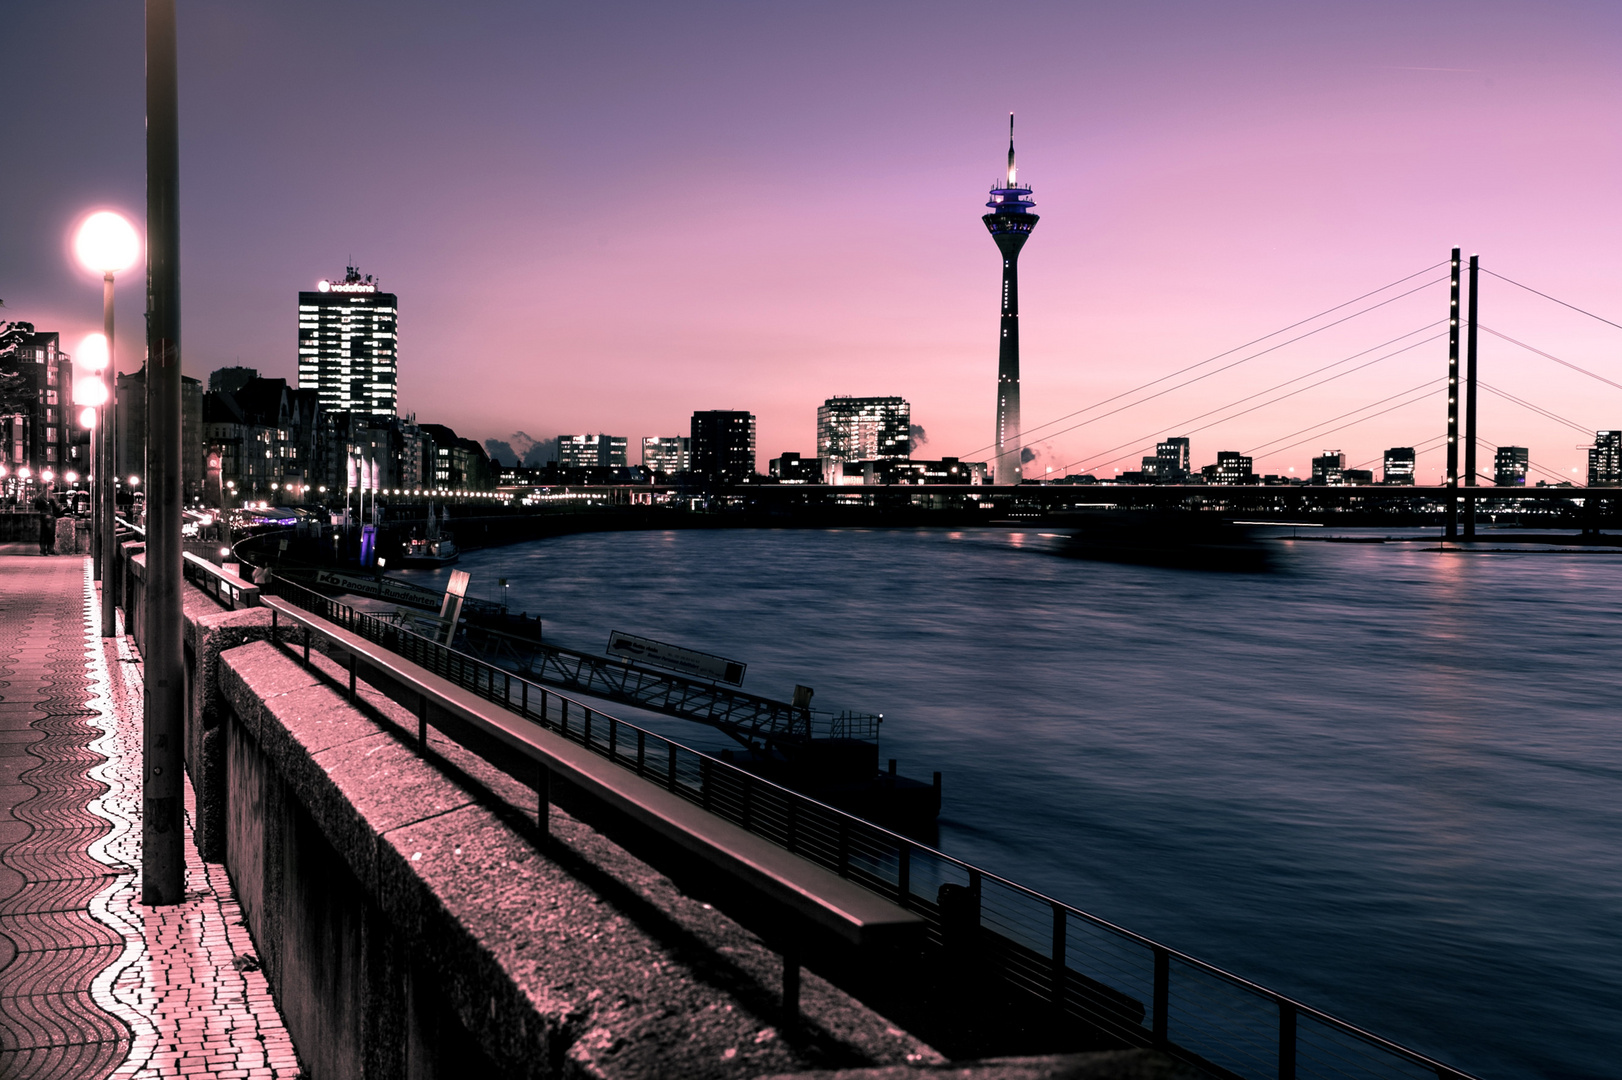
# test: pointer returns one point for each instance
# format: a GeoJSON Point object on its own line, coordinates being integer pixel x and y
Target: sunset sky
{"type": "Point", "coordinates": [602, 217]}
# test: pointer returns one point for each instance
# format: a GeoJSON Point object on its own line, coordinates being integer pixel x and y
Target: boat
{"type": "Point", "coordinates": [434, 549]}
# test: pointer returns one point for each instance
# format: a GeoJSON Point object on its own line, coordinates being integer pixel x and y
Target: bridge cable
{"type": "Point", "coordinates": [1540, 410]}
{"type": "Point", "coordinates": [1557, 300]}
{"type": "Point", "coordinates": [1425, 386]}
{"type": "Point", "coordinates": [1550, 356]}
{"type": "Point", "coordinates": [1139, 443]}
{"type": "Point", "coordinates": [1236, 348]}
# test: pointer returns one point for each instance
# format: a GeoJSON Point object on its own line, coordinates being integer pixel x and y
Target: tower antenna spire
{"type": "Point", "coordinates": [1010, 149]}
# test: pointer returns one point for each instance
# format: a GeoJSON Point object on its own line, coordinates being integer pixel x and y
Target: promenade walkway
{"type": "Point", "coordinates": [93, 984]}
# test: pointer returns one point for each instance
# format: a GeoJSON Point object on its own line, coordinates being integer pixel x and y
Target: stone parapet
{"type": "Point", "coordinates": [414, 921]}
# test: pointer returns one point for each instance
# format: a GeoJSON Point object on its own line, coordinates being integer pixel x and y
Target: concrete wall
{"type": "Point", "coordinates": [413, 923]}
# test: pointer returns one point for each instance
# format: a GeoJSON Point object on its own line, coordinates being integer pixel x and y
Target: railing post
{"type": "Point", "coordinates": [613, 739]}
{"type": "Point", "coordinates": [523, 695]}
{"type": "Point", "coordinates": [1060, 923]}
{"type": "Point", "coordinates": [1286, 1041]}
{"type": "Point", "coordinates": [672, 773]}
{"type": "Point", "coordinates": [903, 876]}
{"type": "Point", "coordinates": [507, 693]}
{"type": "Point", "coordinates": [543, 801]}
{"type": "Point", "coordinates": [748, 799]}
{"type": "Point", "coordinates": [564, 728]}
{"type": "Point", "coordinates": [791, 989]}
{"type": "Point", "coordinates": [275, 637]}
{"type": "Point", "coordinates": [641, 751]}
{"type": "Point", "coordinates": [1162, 995]}
{"type": "Point", "coordinates": [586, 742]}
{"type": "Point", "coordinates": [352, 666]}
{"type": "Point", "coordinates": [422, 720]}
{"type": "Point", "coordinates": [306, 646]}
{"type": "Point", "coordinates": [704, 781]}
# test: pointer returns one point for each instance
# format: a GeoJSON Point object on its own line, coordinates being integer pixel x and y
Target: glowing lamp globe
{"type": "Point", "coordinates": [47, 476]}
{"type": "Point", "coordinates": [92, 354]}
{"type": "Point", "coordinates": [107, 243]}
{"type": "Point", "coordinates": [71, 477]}
{"type": "Point", "coordinates": [135, 481]}
{"type": "Point", "coordinates": [90, 390]}
{"type": "Point", "coordinates": [87, 417]}
{"type": "Point", "coordinates": [24, 473]}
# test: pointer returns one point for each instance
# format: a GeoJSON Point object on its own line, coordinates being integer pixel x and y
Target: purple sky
{"type": "Point", "coordinates": [602, 217]}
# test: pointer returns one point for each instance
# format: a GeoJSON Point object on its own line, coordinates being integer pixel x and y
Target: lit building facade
{"type": "Point", "coordinates": [1605, 459]}
{"type": "Point", "coordinates": [348, 346]}
{"type": "Point", "coordinates": [38, 429]}
{"type": "Point", "coordinates": [1399, 466]}
{"type": "Point", "coordinates": [591, 451]}
{"type": "Point", "coordinates": [1509, 464]}
{"type": "Point", "coordinates": [862, 429]}
{"type": "Point", "coordinates": [1329, 468]}
{"type": "Point", "coordinates": [668, 454]}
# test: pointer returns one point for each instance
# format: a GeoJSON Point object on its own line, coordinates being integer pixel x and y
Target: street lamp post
{"type": "Point", "coordinates": [106, 243]}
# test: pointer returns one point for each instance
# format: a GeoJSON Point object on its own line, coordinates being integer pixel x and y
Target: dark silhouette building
{"type": "Point", "coordinates": [1170, 465]}
{"type": "Point", "coordinates": [39, 431]}
{"type": "Point", "coordinates": [724, 446]}
{"type": "Point", "coordinates": [1010, 222]}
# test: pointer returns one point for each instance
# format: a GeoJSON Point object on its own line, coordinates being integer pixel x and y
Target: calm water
{"type": "Point", "coordinates": [1384, 780]}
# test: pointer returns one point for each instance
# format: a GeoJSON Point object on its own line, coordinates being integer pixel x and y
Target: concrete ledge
{"type": "Point", "coordinates": [412, 925]}
{"type": "Point", "coordinates": [208, 632]}
{"type": "Point", "coordinates": [1107, 1065]}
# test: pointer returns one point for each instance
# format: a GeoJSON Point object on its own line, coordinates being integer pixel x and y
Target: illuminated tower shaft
{"type": "Point", "coordinates": [1010, 222]}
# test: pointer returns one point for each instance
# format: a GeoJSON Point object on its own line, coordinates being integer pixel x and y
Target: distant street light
{"type": "Point", "coordinates": [107, 244]}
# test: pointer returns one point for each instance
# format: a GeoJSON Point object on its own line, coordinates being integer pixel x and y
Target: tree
{"type": "Point", "coordinates": [16, 390]}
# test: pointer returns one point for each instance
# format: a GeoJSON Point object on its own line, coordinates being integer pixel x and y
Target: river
{"type": "Point", "coordinates": [1383, 780]}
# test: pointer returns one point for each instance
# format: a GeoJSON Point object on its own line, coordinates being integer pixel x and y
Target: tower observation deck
{"type": "Point", "coordinates": [1010, 222]}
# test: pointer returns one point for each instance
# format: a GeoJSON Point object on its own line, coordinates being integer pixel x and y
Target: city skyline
{"type": "Point", "coordinates": [1209, 179]}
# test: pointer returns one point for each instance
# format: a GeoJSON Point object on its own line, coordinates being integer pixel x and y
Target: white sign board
{"type": "Point", "coordinates": [675, 658]}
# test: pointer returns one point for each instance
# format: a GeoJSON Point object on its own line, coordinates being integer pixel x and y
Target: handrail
{"type": "Point", "coordinates": [1038, 946]}
{"type": "Point", "coordinates": [855, 913]}
{"type": "Point", "coordinates": [221, 584]}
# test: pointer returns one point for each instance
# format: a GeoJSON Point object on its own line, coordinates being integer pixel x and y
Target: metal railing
{"type": "Point", "coordinates": [221, 584]}
{"type": "Point", "coordinates": [1045, 954]}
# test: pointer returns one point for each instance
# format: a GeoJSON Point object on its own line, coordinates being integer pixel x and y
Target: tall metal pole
{"type": "Point", "coordinates": [1453, 404]}
{"type": "Point", "coordinates": [1470, 401]}
{"type": "Point", "coordinates": [106, 466]}
{"type": "Point", "coordinates": [163, 867]}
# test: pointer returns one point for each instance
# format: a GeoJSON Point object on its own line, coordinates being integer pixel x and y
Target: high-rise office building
{"type": "Point", "coordinates": [669, 454]}
{"type": "Point", "coordinates": [862, 429]}
{"type": "Point", "coordinates": [723, 445]}
{"type": "Point", "coordinates": [1399, 466]}
{"type": "Point", "coordinates": [1010, 222]}
{"type": "Point", "coordinates": [1509, 465]}
{"type": "Point", "coordinates": [41, 434]}
{"type": "Point", "coordinates": [1605, 459]}
{"type": "Point", "coordinates": [591, 451]}
{"type": "Point", "coordinates": [348, 345]}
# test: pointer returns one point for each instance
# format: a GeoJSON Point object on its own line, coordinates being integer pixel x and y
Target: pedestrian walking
{"type": "Point", "coordinates": [48, 511]}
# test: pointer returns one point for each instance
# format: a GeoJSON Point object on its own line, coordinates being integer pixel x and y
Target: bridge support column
{"type": "Point", "coordinates": [1452, 482]}
{"type": "Point", "coordinates": [1470, 401]}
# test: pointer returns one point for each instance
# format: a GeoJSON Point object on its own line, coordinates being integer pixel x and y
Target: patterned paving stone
{"type": "Point", "coordinates": [93, 984]}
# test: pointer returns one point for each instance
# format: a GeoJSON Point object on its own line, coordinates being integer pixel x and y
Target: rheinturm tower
{"type": "Point", "coordinates": [1010, 222]}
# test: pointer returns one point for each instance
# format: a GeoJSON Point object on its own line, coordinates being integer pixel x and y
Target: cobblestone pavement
{"type": "Point", "coordinates": [93, 984]}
